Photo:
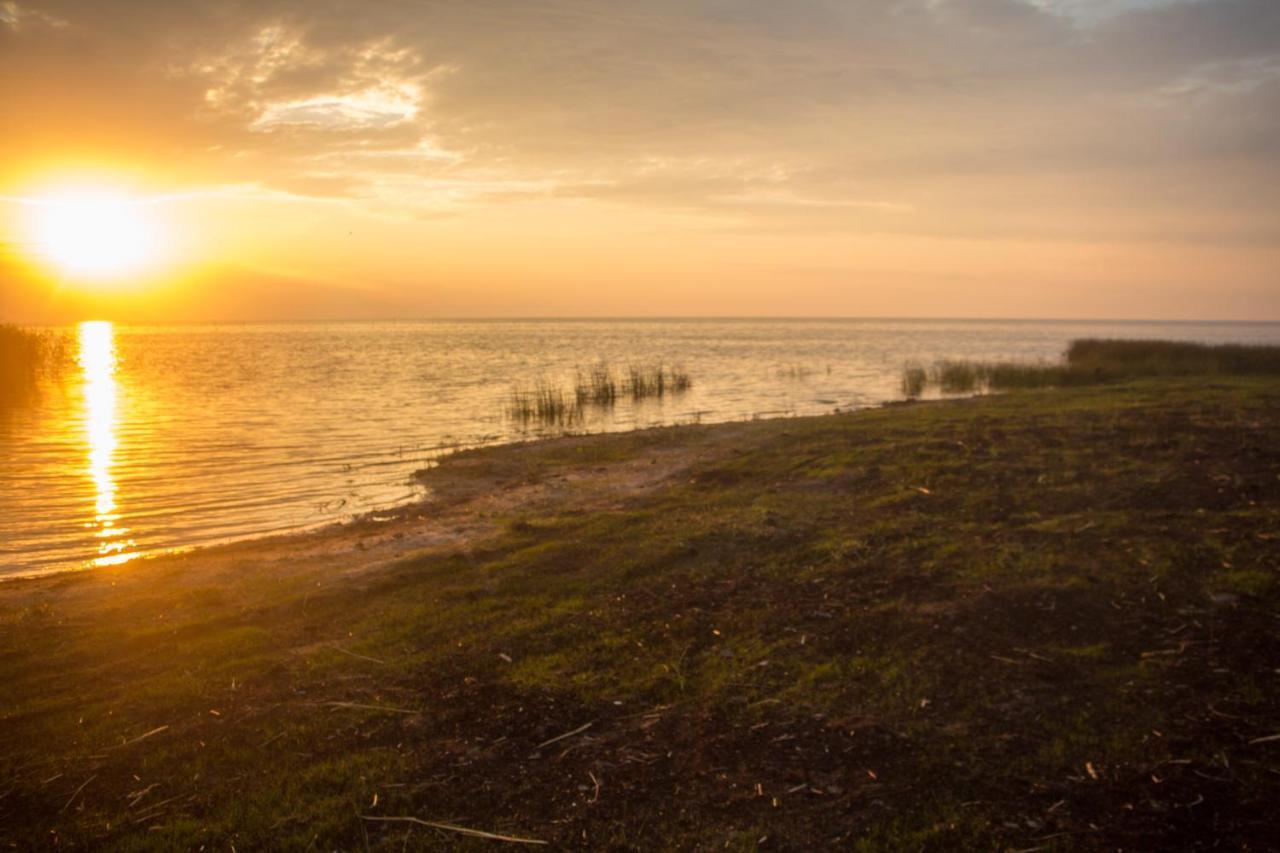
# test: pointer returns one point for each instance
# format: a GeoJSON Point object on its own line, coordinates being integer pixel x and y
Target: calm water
{"type": "Point", "coordinates": [171, 437]}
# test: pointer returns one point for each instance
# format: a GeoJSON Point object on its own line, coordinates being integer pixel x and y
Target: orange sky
{"type": "Point", "coordinates": [1057, 158]}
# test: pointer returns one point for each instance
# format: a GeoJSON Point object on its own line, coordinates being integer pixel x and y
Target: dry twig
{"type": "Point", "coordinates": [461, 830]}
{"type": "Point", "coordinates": [157, 730]}
{"type": "Point", "coordinates": [386, 708]}
{"type": "Point", "coordinates": [355, 655]}
{"type": "Point", "coordinates": [578, 730]}
{"type": "Point", "coordinates": [76, 793]}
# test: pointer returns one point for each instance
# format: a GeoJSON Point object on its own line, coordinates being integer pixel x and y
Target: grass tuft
{"type": "Point", "coordinates": [1090, 361]}
{"type": "Point", "coordinates": [914, 379]}
{"type": "Point", "coordinates": [1171, 358]}
{"type": "Point", "coordinates": [656, 381]}
{"type": "Point", "coordinates": [26, 356]}
{"type": "Point", "coordinates": [795, 372]}
{"type": "Point", "coordinates": [958, 377]}
{"type": "Point", "coordinates": [544, 403]}
{"type": "Point", "coordinates": [551, 405]}
{"type": "Point", "coordinates": [596, 385]}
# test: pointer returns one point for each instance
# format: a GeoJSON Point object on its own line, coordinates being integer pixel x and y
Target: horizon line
{"type": "Point", "coordinates": [681, 318]}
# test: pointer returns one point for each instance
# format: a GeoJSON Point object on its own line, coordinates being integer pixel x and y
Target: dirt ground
{"type": "Point", "coordinates": [1039, 621]}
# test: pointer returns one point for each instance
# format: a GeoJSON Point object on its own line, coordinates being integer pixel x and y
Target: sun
{"type": "Point", "coordinates": [96, 234]}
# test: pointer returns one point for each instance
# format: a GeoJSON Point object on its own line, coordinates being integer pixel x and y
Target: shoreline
{"type": "Point", "coordinates": [1033, 618]}
{"type": "Point", "coordinates": [402, 524]}
{"type": "Point", "coordinates": [397, 512]}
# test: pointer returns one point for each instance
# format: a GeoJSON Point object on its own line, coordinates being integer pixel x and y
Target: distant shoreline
{"type": "Point", "coordinates": [1109, 321]}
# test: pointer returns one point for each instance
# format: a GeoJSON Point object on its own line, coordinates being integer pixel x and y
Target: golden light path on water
{"type": "Point", "coordinates": [98, 368]}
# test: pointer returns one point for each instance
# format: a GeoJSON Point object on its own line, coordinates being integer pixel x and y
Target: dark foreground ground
{"type": "Point", "coordinates": [1044, 621]}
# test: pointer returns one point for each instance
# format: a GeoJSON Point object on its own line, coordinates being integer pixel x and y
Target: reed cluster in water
{"type": "Point", "coordinates": [795, 372]}
{"type": "Point", "coordinates": [28, 355]}
{"type": "Point", "coordinates": [598, 385]}
{"type": "Point", "coordinates": [1093, 360]}
{"type": "Point", "coordinates": [545, 403]}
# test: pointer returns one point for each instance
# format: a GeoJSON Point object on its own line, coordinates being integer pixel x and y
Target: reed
{"type": "Point", "coordinates": [794, 372]}
{"type": "Point", "coordinates": [1012, 374]}
{"type": "Point", "coordinates": [596, 386]}
{"type": "Point", "coordinates": [1090, 361]}
{"type": "Point", "coordinates": [27, 356]}
{"type": "Point", "coordinates": [914, 379]}
{"type": "Point", "coordinates": [1171, 358]}
{"type": "Point", "coordinates": [959, 377]}
{"type": "Point", "coordinates": [550, 404]}
{"type": "Point", "coordinates": [545, 403]}
{"type": "Point", "coordinates": [656, 381]}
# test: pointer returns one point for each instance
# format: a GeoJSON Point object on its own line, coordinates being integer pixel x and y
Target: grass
{"type": "Point", "coordinates": [795, 372]}
{"type": "Point", "coordinates": [914, 380]}
{"type": "Point", "coordinates": [1041, 619]}
{"type": "Point", "coordinates": [544, 403]}
{"type": "Point", "coordinates": [1127, 358]}
{"type": "Point", "coordinates": [28, 356]}
{"type": "Point", "coordinates": [598, 386]}
{"type": "Point", "coordinates": [1090, 361]}
{"type": "Point", "coordinates": [645, 381]}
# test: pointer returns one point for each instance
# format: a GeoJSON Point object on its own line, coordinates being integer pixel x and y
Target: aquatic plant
{"type": "Point", "coordinates": [596, 385]}
{"type": "Point", "coordinates": [26, 356]}
{"type": "Point", "coordinates": [544, 402]}
{"type": "Point", "coordinates": [1171, 358]}
{"type": "Point", "coordinates": [959, 377]}
{"type": "Point", "coordinates": [656, 380]}
{"type": "Point", "coordinates": [1089, 361]}
{"type": "Point", "coordinates": [914, 379]}
{"type": "Point", "coordinates": [550, 404]}
{"type": "Point", "coordinates": [795, 372]}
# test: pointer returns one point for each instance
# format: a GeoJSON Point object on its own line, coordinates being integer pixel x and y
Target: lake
{"type": "Point", "coordinates": [166, 438]}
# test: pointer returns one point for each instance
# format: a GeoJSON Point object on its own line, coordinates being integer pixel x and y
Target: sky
{"type": "Point", "coordinates": [353, 159]}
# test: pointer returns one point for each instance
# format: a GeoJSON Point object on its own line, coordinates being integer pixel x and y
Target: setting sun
{"type": "Point", "coordinates": [96, 235]}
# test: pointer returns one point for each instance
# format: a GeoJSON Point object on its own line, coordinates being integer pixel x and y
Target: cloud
{"type": "Point", "coordinates": [369, 109]}
{"type": "Point", "coordinates": [17, 17]}
{"type": "Point", "coordinates": [930, 116]}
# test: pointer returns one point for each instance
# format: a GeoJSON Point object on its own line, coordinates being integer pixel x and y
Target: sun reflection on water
{"type": "Point", "coordinates": [98, 367]}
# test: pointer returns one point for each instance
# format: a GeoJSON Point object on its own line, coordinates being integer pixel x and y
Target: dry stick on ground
{"type": "Point", "coordinates": [145, 735]}
{"type": "Point", "coordinates": [275, 737]}
{"type": "Point", "coordinates": [354, 655]}
{"type": "Point", "coordinates": [461, 830]}
{"type": "Point", "coordinates": [578, 730]}
{"type": "Point", "coordinates": [386, 708]}
{"type": "Point", "coordinates": [76, 793]}
{"type": "Point", "coordinates": [154, 810]}
{"type": "Point", "coordinates": [140, 794]}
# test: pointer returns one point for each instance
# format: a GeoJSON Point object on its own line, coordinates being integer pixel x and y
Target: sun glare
{"type": "Point", "coordinates": [96, 235]}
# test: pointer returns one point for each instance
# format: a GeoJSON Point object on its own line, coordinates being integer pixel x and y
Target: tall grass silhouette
{"type": "Point", "coordinates": [1090, 361]}
{"type": "Point", "coordinates": [27, 356]}
{"type": "Point", "coordinates": [596, 386]}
